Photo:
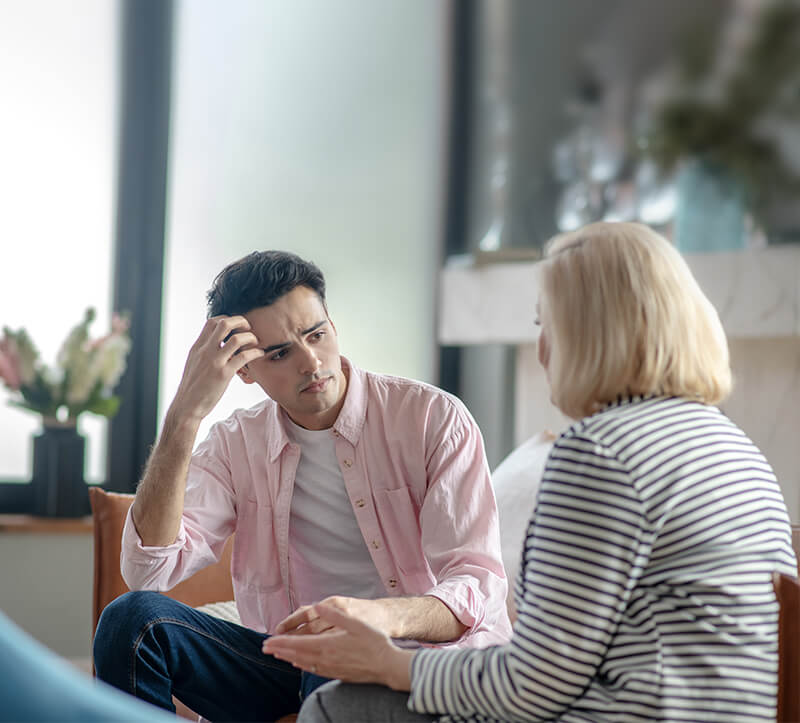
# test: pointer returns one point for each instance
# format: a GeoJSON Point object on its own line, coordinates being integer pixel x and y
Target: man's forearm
{"type": "Point", "coordinates": [158, 506]}
{"type": "Point", "coordinates": [423, 618]}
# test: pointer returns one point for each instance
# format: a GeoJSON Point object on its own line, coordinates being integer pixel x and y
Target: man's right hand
{"type": "Point", "coordinates": [225, 345]}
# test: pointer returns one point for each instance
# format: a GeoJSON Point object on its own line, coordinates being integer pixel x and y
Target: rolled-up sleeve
{"type": "Point", "coordinates": [207, 522]}
{"type": "Point", "coordinates": [460, 532]}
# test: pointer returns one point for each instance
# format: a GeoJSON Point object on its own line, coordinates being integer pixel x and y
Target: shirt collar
{"type": "Point", "coordinates": [625, 400]}
{"type": "Point", "coordinates": [351, 418]}
{"type": "Point", "coordinates": [348, 424]}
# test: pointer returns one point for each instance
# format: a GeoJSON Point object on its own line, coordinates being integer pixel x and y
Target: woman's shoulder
{"type": "Point", "coordinates": [640, 414]}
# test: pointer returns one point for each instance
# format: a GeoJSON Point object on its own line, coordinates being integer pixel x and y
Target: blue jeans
{"type": "Point", "coordinates": [154, 647]}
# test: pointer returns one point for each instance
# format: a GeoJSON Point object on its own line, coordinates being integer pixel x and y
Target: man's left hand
{"type": "Point", "coordinates": [306, 621]}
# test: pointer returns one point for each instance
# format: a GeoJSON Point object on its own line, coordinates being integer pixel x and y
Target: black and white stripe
{"type": "Point", "coordinates": [645, 591]}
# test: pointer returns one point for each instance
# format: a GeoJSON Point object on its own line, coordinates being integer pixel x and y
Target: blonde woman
{"type": "Point", "coordinates": [645, 591]}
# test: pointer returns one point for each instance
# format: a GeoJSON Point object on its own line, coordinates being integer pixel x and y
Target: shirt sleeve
{"type": "Point", "coordinates": [459, 526]}
{"type": "Point", "coordinates": [208, 520]}
{"type": "Point", "coordinates": [586, 547]}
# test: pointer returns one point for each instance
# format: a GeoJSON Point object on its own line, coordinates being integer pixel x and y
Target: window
{"type": "Point", "coordinates": [58, 84]}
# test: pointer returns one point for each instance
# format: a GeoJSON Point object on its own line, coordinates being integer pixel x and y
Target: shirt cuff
{"type": "Point", "coordinates": [138, 552]}
{"type": "Point", "coordinates": [464, 601]}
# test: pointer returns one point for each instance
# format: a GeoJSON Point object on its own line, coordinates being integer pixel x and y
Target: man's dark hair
{"type": "Point", "coordinates": [259, 279]}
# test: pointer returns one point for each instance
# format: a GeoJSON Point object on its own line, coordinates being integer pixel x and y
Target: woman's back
{"type": "Point", "coordinates": [657, 528]}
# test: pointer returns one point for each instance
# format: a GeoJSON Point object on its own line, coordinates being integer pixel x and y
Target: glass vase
{"type": "Point", "coordinates": [711, 210]}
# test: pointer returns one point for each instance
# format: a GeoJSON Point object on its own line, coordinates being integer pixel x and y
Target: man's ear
{"type": "Point", "coordinates": [244, 375]}
{"type": "Point", "coordinates": [333, 326]}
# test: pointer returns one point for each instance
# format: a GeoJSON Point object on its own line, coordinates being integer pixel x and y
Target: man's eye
{"type": "Point", "coordinates": [279, 354]}
{"type": "Point", "coordinates": [318, 335]}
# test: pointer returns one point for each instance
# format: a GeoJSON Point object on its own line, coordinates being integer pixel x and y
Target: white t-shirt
{"type": "Point", "coordinates": [326, 547]}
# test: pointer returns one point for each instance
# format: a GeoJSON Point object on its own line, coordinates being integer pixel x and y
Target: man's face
{"type": "Point", "coordinates": [301, 369]}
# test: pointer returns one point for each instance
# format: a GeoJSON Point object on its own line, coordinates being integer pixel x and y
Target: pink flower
{"type": "Point", "coordinates": [119, 328]}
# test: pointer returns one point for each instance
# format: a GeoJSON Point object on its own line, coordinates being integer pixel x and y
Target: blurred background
{"type": "Point", "coordinates": [147, 143]}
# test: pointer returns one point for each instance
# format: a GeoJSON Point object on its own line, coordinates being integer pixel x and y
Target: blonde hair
{"type": "Point", "coordinates": [626, 317]}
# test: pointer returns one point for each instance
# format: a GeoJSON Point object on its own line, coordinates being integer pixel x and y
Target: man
{"type": "Point", "coordinates": [367, 490]}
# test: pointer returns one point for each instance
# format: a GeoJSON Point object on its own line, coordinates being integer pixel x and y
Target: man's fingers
{"type": "Point", "coordinates": [301, 616]}
{"type": "Point", "coordinates": [245, 357]}
{"type": "Point", "coordinates": [218, 328]}
{"type": "Point", "coordinates": [315, 627]}
{"type": "Point", "coordinates": [238, 342]}
{"type": "Point", "coordinates": [340, 619]}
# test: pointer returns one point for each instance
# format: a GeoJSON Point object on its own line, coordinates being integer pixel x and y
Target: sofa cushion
{"type": "Point", "coordinates": [516, 484]}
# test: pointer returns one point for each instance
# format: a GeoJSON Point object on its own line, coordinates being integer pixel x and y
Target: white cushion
{"type": "Point", "coordinates": [516, 484]}
{"type": "Point", "coordinates": [224, 610]}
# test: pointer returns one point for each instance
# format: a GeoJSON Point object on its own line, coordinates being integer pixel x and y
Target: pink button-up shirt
{"type": "Point", "coordinates": [414, 468]}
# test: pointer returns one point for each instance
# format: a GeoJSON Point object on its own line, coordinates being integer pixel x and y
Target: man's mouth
{"type": "Point", "coordinates": [316, 386]}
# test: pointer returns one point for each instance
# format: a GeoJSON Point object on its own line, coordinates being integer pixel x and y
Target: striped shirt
{"type": "Point", "coordinates": [645, 590]}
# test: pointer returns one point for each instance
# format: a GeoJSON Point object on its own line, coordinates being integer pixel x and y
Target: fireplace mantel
{"type": "Point", "coordinates": [756, 293]}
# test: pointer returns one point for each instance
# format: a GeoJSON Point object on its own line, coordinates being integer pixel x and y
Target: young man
{"type": "Point", "coordinates": [367, 490]}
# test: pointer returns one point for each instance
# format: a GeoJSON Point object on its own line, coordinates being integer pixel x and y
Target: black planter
{"type": "Point", "coordinates": [58, 487]}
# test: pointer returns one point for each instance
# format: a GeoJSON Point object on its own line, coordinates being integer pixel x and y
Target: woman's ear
{"type": "Point", "coordinates": [244, 375]}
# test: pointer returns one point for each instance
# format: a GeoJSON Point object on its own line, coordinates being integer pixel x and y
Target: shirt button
{"type": "Point", "coordinates": [376, 544]}
{"type": "Point", "coordinates": [348, 463]}
{"type": "Point", "coordinates": [360, 503]}
{"type": "Point", "coordinates": [335, 433]}
{"type": "Point", "coordinates": [392, 583]}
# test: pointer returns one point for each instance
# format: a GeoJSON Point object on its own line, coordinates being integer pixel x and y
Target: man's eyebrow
{"type": "Point", "coordinates": [275, 347]}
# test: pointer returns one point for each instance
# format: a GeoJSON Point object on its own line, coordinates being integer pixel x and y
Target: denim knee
{"type": "Point", "coordinates": [122, 621]}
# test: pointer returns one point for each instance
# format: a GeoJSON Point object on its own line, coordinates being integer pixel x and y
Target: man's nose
{"type": "Point", "coordinates": [309, 361]}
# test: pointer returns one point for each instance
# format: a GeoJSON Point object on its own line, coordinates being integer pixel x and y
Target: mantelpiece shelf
{"type": "Point", "coordinates": [756, 292]}
{"type": "Point", "coordinates": [45, 525]}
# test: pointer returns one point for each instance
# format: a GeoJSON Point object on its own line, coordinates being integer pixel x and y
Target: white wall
{"type": "Point", "coordinates": [46, 588]}
{"type": "Point", "coordinates": [316, 128]}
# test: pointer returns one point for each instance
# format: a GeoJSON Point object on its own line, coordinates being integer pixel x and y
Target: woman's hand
{"type": "Point", "coordinates": [349, 650]}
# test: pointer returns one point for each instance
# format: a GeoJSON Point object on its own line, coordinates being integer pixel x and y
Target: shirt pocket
{"type": "Point", "coordinates": [400, 520]}
{"type": "Point", "coordinates": [255, 562]}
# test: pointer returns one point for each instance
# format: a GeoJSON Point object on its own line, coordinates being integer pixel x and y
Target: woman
{"type": "Point", "coordinates": [645, 591]}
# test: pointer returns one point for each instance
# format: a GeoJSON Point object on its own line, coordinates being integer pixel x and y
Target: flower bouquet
{"type": "Point", "coordinates": [82, 380]}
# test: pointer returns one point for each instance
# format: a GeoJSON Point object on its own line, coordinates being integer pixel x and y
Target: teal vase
{"type": "Point", "coordinates": [711, 210]}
